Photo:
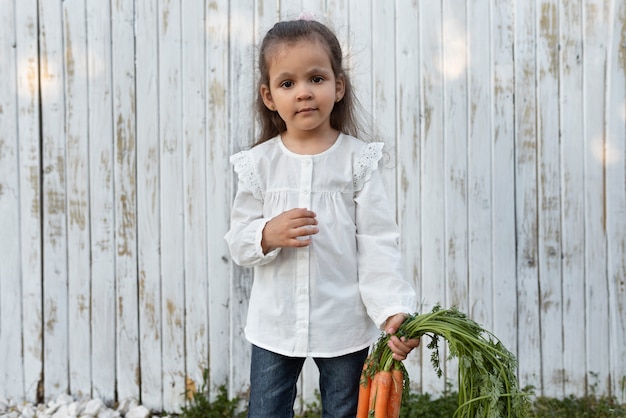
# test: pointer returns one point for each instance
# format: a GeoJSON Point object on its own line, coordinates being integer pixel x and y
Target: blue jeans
{"type": "Point", "coordinates": [273, 380]}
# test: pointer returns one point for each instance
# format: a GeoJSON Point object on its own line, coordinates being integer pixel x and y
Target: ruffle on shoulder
{"type": "Point", "coordinates": [244, 167]}
{"type": "Point", "coordinates": [367, 163]}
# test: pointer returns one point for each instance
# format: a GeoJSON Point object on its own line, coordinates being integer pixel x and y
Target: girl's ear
{"type": "Point", "coordinates": [340, 88]}
{"type": "Point", "coordinates": [266, 95]}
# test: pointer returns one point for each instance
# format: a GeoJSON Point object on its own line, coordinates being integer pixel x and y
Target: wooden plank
{"type": "Point", "coordinates": [480, 160]}
{"type": "Point", "coordinates": [218, 193]}
{"type": "Point", "coordinates": [28, 128]}
{"type": "Point", "coordinates": [597, 340]}
{"type": "Point", "coordinates": [194, 136]}
{"type": "Point", "coordinates": [338, 18]}
{"type": "Point", "coordinates": [455, 139]}
{"type": "Point", "coordinates": [360, 56]}
{"type": "Point", "coordinates": [503, 281]}
{"type": "Point", "coordinates": [433, 173]}
{"type": "Point", "coordinates": [172, 222]}
{"type": "Point", "coordinates": [573, 204]}
{"type": "Point", "coordinates": [615, 160]}
{"type": "Point", "coordinates": [125, 165]}
{"type": "Point", "coordinates": [455, 143]}
{"type": "Point", "coordinates": [549, 198]}
{"type": "Point", "coordinates": [242, 91]}
{"type": "Point", "coordinates": [55, 295]}
{"type": "Point", "coordinates": [102, 201]}
{"type": "Point", "coordinates": [383, 89]}
{"type": "Point", "coordinates": [526, 195]}
{"type": "Point", "coordinates": [12, 373]}
{"type": "Point", "coordinates": [409, 123]}
{"type": "Point", "coordinates": [78, 241]}
{"type": "Point", "coordinates": [148, 208]}
{"type": "Point", "coordinates": [291, 9]}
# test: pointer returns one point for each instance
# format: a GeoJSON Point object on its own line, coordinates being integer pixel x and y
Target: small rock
{"type": "Point", "coordinates": [61, 412]}
{"type": "Point", "coordinates": [138, 412]}
{"type": "Point", "coordinates": [93, 408]}
{"type": "Point", "coordinates": [108, 413]}
{"type": "Point", "coordinates": [75, 409]}
{"type": "Point", "coordinates": [28, 411]}
{"type": "Point", "coordinates": [126, 405]}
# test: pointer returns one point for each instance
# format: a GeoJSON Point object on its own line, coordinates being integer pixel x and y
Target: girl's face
{"type": "Point", "coordinates": [302, 88]}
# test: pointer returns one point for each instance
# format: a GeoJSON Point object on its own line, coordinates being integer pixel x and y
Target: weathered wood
{"type": "Point", "coordinates": [194, 137]}
{"type": "Point", "coordinates": [526, 195]}
{"type": "Point", "coordinates": [597, 341]}
{"type": "Point", "coordinates": [55, 275]}
{"type": "Point", "coordinates": [480, 161]}
{"type": "Point", "coordinates": [148, 203]}
{"type": "Point", "coordinates": [409, 124]}
{"type": "Point", "coordinates": [503, 281]}
{"type": "Point", "coordinates": [171, 202]}
{"type": "Point", "coordinates": [549, 197]}
{"type": "Point", "coordinates": [432, 199]}
{"type": "Point", "coordinates": [219, 180]}
{"type": "Point", "coordinates": [241, 102]}
{"type": "Point", "coordinates": [615, 161]}
{"type": "Point", "coordinates": [455, 167]}
{"type": "Point", "coordinates": [125, 200]}
{"type": "Point", "coordinates": [101, 198]}
{"type": "Point", "coordinates": [573, 205]}
{"type": "Point", "coordinates": [28, 138]}
{"type": "Point", "coordinates": [383, 89]}
{"type": "Point", "coordinates": [78, 241]}
{"type": "Point", "coordinates": [10, 287]}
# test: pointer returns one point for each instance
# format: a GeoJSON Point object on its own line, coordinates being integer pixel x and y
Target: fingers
{"type": "Point", "coordinates": [394, 322]}
{"type": "Point", "coordinates": [292, 228]}
{"type": "Point", "coordinates": [402, 347]}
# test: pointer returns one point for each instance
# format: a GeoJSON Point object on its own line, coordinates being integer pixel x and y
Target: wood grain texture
{"type": "Point", "coordinates": [102, 202]}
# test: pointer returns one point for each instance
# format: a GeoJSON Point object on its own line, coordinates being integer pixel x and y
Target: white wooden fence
{"type": "Point", "coordinates": [507, 121]}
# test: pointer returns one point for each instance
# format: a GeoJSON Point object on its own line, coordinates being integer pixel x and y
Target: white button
{"type": "Point", "coordinates": [307, 162]}
{"type": "Point", "coordinates": [306, 191]}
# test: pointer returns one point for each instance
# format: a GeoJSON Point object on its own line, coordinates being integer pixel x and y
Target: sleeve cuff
{"type": "Point", "coordinates": [264, 258]}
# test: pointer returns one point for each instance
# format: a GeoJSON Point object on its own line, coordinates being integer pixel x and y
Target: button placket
{"type": "Point", "coordinates": [302, 263]}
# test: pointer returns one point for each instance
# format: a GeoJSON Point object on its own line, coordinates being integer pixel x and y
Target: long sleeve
{"type": "Point", "coordinates": [247, 221]}
{"type": "Point", "coordinates": [383, 288]}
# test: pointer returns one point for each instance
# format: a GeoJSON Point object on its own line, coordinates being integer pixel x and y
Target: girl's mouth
{"type": "Point", "coordinates": [306, 110]}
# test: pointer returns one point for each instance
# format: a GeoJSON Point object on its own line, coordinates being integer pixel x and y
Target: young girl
{"type": "Point", "coordinates": [312, 218]}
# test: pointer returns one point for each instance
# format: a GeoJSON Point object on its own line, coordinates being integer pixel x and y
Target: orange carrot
{"type": "Point", "coordinates": [383, 390]}
{"type": "Point", "coordinates": [395, 394]}
{"type": "Point", "coordinates": [365, 385]}
{"type": "Point", "coordinates": [373, 392]}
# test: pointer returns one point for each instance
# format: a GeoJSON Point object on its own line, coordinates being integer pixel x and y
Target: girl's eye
{"type": "Point", "coordinates": [286, 84]}
{"type": "Point", "coordinates": [317, 79]}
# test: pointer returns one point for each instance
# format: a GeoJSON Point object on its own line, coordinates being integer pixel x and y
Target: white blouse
{"type": "Point", "coordinates": [330, 298]}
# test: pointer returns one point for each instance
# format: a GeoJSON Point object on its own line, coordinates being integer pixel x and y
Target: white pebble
{"type": "Point", "coordinates": [138, 412]}
{"type": "Point", "coordinates": [93, 408]}
{"type": "Point", "coordinates": [61, 412]}
{"type": "Point", "coordinates": [28, 411]}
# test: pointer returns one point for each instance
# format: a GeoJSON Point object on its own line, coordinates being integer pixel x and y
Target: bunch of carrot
{"type": "Point", "coordinates": [380, 395]}
{"type": "Point", "coordinates": [486, 374]}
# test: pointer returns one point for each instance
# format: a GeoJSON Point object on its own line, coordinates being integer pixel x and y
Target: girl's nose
{"type": "Point", "coordinates": [304, 93]}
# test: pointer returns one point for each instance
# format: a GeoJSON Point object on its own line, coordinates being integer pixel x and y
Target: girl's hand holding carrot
{"type": "Point", "coordinates": [400, 347]}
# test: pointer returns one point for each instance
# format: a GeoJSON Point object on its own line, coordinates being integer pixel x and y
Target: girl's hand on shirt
{"type": "Point", "coordinates": [285, 229]}
{"type": "Point", "coordinates": [400, 347]}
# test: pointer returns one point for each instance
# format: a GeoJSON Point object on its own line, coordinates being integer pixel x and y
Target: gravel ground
{"type": "Point", "coordinates": [66, 406]}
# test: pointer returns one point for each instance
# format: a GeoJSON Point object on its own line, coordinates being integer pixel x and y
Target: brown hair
{"type": "Point", "coordinates": [343, 117]}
